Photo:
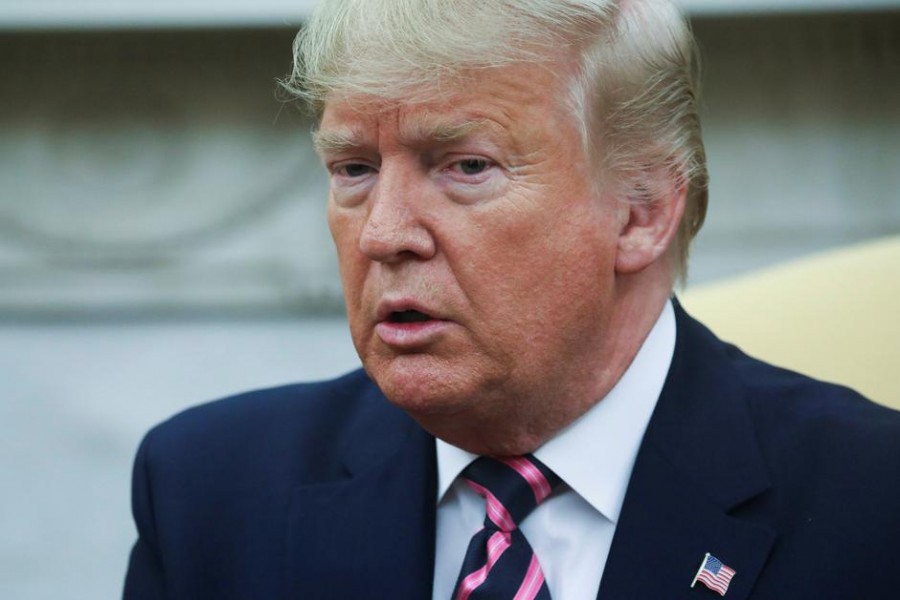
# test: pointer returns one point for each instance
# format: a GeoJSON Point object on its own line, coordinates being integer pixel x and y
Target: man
{"type": "Point", "coordinates": [514, 186]}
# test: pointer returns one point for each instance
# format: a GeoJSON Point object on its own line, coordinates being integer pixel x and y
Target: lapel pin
{"type": "Point", "coordinates": [714, 574]}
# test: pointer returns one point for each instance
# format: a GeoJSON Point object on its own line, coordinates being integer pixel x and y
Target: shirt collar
{"type": "Point", "coordinates": [595, 454]}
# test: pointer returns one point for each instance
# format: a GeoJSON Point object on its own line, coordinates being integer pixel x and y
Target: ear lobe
{"type": "Point", "coordinates": [649, 228]}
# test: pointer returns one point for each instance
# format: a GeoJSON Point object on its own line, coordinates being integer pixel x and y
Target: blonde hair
{"type": "Point", "coordinates": [634, 94]}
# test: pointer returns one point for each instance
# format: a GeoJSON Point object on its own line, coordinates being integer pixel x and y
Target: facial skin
{"type": "Point", "coordinates": [480, 213]}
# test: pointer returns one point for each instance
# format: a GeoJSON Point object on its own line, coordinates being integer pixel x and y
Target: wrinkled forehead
{"type": "Point", "coordinates": [506, 101]}
{"type": "Point", "coordinates": [343, 130]}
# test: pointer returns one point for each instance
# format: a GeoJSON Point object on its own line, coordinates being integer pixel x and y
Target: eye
{"type": "Point", "coordinates": [472, 166]}
{"type": "Point", "coordinates": [354, 170]}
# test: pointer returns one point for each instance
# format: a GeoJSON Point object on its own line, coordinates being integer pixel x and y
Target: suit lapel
{"type": "Point", "coordinates": [370, 535]}
{"type": "Point", "coordinates": [698, 462]}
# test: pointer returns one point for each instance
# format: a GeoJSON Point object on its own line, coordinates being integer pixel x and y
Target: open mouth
{"type": "Point", "coordinates": [408, 316]}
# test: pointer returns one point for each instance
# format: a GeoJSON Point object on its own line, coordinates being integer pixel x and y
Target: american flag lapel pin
{"type": "Point", "coordinates": [714, 574]}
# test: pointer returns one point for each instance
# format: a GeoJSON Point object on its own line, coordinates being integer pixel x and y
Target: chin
{"type": "Point", "coordinates": [422, 398]}
{"type": "Point", "coordinates": [420, 387]}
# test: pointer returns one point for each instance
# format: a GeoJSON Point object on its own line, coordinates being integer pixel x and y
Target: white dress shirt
{"type": "Point", "coordinates": [571, 532]}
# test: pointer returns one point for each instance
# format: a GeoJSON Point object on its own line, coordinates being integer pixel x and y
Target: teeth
{"type": "Point", "coordinates": [409, 316]}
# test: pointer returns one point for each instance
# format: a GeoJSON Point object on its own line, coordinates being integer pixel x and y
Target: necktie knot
{"type": "Point", "coordinates": [512, 486]}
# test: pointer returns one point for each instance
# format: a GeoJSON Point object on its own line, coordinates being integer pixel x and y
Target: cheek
{"type": "Point", "coordinates": [547, 242]}
{"type": "Point", "coordinates": [534, 272]}
{"type": "Point", "coordinates": [338, 224]}
{"type": "Point", "coordinates": [500, 272]}
{"type": "Point", "coordinates": [345, 229]}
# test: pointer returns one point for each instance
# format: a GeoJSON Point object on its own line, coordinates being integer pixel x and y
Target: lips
{"type": "Point", "coordinates": [408, 316]}
{"type": "Point", "coordinates": [404, 312]}
{"type": "Point", "coordinates": [408, 325]}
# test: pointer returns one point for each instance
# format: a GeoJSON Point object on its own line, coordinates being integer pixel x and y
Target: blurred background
{"type": "Point", "coordinates": [163, 241]}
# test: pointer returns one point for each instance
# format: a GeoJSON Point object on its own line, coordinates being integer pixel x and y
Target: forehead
{"type": "Point", "coordinates": [413, 125]}
{"type": "Point", "coordinates": [510, 102]}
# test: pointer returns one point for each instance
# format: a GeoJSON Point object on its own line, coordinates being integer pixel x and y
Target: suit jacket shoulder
{"type": "Point", "coordinates": [833, 458]}
{"type": "Point", "coordinates": [257, 495]}
{"type": "Point", "coordinates": [792, 482]}
{"type": "Point", "coordinates": [245, 432]}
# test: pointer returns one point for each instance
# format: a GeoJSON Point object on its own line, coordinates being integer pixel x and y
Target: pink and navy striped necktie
{"type": "Point", "coordinates": [500, 563]}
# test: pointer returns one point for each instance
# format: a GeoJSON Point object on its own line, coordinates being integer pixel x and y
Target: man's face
{"type": "Point", "coordinates": [476, 256]}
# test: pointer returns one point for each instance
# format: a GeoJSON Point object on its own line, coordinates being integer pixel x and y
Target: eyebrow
{"type": "Point", "coordinates": [447, 132]}
{"type": "Point", "coordinates": [331, 142]}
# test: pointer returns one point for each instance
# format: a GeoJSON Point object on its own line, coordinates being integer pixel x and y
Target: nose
{"type": "Point", "coordinates": [394, 230]}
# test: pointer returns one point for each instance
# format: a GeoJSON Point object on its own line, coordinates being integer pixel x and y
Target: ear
{"type": "Point", "coordinates": [648, 228]}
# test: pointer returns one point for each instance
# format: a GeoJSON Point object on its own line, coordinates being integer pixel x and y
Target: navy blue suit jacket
{"type": "Point", "coordinates": [327, 491]}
